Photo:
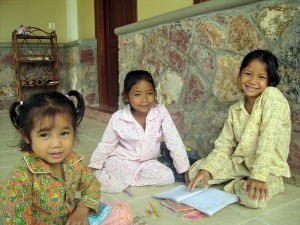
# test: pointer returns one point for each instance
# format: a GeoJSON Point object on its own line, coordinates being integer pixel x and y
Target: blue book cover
{"type": "Point", "coordinates": [104, 210]}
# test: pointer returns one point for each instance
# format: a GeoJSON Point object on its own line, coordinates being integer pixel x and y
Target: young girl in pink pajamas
{"type": "Point", "coordinates": [128, 152]}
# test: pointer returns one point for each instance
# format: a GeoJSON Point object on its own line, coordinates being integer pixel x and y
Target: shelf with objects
{"type": "Point", "coordinates": [36, 61]}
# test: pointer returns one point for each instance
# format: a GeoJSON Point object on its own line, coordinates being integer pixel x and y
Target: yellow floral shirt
{"type": "Point", "coordinates": [260, 141]}
{"type": "Point", "coordinates": [34, 194]}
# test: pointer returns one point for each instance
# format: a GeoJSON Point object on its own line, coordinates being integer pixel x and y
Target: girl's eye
{"type": "Point", "coordinates": [65, 133]}
{"type": "Point", "coordinates": [43, 135]}
{"type": "Point", "coordinates": [263, 77]}
{"type": "Point", "coordinates": [150, 93]}
{"type": "Point", "coordinates": [136, 94]}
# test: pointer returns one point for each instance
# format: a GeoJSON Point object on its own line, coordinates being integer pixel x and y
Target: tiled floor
{"type": "Point", "coordinates": [283, 209]}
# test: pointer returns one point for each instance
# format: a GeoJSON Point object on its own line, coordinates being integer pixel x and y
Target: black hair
{"type": "Point", "coordinates": [268, 59]}
{"type": "Point", "coordinates": [132, 78]}
{"type": "Point", "coordinates": [40, 105]}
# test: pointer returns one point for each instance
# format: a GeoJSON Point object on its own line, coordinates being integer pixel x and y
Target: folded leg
{"type": "Point", "coordinates": [152, 172]}
{"type": "Point", "coordinates": [116, 175]}
{"type": "Point", "coordinates": [274, 184]}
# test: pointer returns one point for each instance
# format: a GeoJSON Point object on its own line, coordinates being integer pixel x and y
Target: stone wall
{"type": "Point", "coordinates": [7, 77]}
{"type": "Point", "coordinates": [78, 70]}
{"type": "Point", "coordinates": [195, 62]}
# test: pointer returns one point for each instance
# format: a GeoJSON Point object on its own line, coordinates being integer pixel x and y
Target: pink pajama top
{"type": "Point", "coordinates": [125, 138]}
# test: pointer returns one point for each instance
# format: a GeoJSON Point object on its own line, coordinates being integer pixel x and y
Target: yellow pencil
{"type": "Point", "coordinates": [154, 209]}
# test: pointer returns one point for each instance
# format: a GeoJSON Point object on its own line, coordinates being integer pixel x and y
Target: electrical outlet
{"type": "Point", "coordinates": [51, 25]}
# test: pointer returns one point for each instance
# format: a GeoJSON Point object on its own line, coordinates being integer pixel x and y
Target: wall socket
{"type": "Point", "coordinates": [51, 25]}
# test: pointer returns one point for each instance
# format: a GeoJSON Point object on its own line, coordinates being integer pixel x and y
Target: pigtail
{"type": "Point", "coordinates": [79, 107]}
{"type": "Point", "coordinates": [14, 116]}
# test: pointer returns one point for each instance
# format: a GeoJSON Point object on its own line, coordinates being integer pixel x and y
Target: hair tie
{"type": "Point", "coordinates": [68, 97]}
{"type": "Point", "coordinates": [21, 102]}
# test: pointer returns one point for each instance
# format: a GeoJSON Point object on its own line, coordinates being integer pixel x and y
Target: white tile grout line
{"type": "Point", "coordinates": [263, 214]}
{"type": "Point", "coordinates": [263, 222]}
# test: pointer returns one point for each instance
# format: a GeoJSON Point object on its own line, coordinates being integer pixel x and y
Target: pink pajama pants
{"type": "Point", "coordinates": [117, 174]}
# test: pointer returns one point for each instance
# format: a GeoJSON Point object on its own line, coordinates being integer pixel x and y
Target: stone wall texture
{"type": "Point", "coordinates": [80, 70]}
{"type": "Point", "coordinates": [195, 63]}
{"type": "Point", "coordinates": [7, 76]}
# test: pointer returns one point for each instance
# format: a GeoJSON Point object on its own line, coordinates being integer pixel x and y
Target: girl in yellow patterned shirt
{"type": "Point", "coordinates": [250, 154]}
{"type": "Point", "coordinates": [51, 185]}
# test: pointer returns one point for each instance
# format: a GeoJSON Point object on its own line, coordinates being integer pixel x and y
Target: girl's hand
{"type": "Point", "coordinates": [203, 176]}
{"type": "Point", "coordinates": [257, 190]}
{"type": "Point", "coordinates": [79, 216]}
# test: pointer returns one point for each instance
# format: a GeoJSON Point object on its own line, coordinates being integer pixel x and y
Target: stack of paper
{"type": "Point", "coordinates": [182, 209]}
{"type": "Point", "coordinates": [206, 200]}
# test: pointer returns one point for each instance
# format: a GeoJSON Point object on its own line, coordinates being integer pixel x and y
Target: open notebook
{"type": "Point", "coordinates": [206, 200]}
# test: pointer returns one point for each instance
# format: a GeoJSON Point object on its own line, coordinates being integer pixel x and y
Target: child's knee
{"type": "Point", "coordinates": [244, 198]}
{"type": "Point", "coordinates": [167, 177]}
{"type": "Point", "coordinates": [164, 174]}
{"type": "Point", "coordinates": [109, 183]}
{"type": "Point", "coordinates": [254, 204]}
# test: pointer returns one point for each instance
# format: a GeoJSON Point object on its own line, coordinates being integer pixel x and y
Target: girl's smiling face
{"type": "Point", "coordinates": [254, 79]}
{"type": "Point", "coordinates": [52, 138]}
{"type": "Point", "coordinates": [142, 97]}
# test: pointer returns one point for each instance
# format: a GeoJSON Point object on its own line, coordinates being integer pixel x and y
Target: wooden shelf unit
{"type": "Point", "coordinates": [36, 62]}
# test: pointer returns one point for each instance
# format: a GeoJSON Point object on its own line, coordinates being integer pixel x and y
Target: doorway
{"type": "Point", "coordinates": [110, 14]}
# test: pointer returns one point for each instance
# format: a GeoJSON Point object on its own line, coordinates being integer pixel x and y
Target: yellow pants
{"type": "Point", "coordinates": [234, 174]}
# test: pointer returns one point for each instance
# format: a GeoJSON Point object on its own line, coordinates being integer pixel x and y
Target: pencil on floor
{"type": "Point", "coordinates": [154, 209]}
{"type": "Point", "coordinates": [128, 193]}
